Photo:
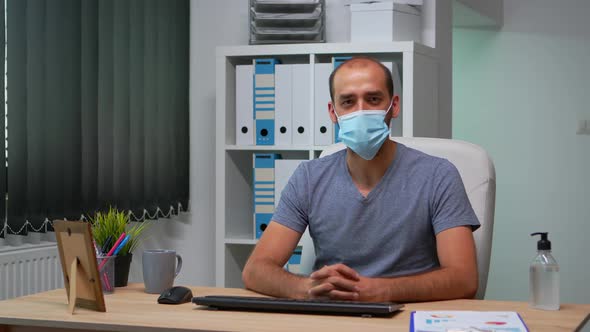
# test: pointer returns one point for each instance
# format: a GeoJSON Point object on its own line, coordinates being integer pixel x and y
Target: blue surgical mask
{"type": "Point", "coordinates": [364, 131]}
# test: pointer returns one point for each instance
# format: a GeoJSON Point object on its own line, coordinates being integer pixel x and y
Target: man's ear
{"type": "Point", "coordinates": [394, 113]}
{"type": "Point", "coordinates": [332, 113]}
{"type": "Point", "coordinates": [395, 107]}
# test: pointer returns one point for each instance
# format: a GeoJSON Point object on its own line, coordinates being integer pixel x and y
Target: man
{"type": "Point", "coordinates": [389, 223]}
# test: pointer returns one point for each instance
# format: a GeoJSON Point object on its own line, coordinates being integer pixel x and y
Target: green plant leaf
{"type": "Point", "coordinates": [113, 223]}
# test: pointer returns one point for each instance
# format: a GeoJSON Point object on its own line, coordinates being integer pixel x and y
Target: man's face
{"type": "Point", "coordinates": [361, 85]}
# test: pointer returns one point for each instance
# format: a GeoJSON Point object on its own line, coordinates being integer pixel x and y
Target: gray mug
{"type": "Point", "coordinates": [160, 267]}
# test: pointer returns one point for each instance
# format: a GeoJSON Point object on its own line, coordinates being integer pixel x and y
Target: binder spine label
{"type": "Point", "coordinates": [264, 190]}
{"type": "Point", "coordinates": [264, 101]}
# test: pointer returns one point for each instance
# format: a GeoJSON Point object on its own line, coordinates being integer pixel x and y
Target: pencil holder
{"type": "Point", "coordinates": [106, 271]}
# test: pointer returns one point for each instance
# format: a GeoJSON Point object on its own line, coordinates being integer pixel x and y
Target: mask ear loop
{"type": "Point", "coordinates": [334, 110]}
{"type": "Point", "coordinates": [389, 108]}
{"type": "Point", "coordinates": [390, 120]}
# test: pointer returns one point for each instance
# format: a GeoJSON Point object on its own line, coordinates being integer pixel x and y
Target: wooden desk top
{"type": "Point", "coordinates": [130, 309]}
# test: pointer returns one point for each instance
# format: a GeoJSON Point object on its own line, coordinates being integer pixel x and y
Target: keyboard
{"type": "Point", "coordinates": [314, 306]}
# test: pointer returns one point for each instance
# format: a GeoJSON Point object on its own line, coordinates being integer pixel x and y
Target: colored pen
{"type": "Point", "coordinates": [107, 284]}
{"type": "Point", "coordinates": [121, 245]}
{"type": "Point", "coordinates": [112, 250]}
{"type": "Point", "coordinates": [116, 244]}
{"type": "Point", "coordinates": [106, 244]}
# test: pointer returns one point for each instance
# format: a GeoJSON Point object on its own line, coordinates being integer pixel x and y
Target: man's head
{"type": "Point", "coordinates": [362, 83]}
{"type": "Point", "coordinates": [362, 61]}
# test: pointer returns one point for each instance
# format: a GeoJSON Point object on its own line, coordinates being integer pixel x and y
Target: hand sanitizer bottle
{"type": "Point", "coordinates": [544, 277]}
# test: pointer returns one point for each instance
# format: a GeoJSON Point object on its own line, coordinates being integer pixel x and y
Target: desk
{"type": "Point", "coordinates": [130, 309]}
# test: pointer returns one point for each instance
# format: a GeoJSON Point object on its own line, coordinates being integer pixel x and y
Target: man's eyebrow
{"type": "Point", "coordinates": [375, 93]}
{"type": "Point", "coordinates": [346, 96]}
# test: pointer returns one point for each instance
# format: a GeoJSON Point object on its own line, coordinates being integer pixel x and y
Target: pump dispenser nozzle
{"type": "Point", "coordinates": [544, 243]}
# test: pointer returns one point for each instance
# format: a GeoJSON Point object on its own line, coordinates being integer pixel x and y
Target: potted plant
{"type": "Point", "coordinates": [110, 225]}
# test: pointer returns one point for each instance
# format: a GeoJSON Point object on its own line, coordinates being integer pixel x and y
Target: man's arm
{"type": "Point", "coordinates": [264, 272]}
{"type": "Point", "coordinates": [456, 277]}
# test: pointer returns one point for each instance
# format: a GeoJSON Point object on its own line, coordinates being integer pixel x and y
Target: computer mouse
{"type": "Point", "coordinates": [175, 295]}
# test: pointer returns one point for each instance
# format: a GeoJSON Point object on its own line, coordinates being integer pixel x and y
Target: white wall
{"type": "Point", "coordinates": [519, 92]}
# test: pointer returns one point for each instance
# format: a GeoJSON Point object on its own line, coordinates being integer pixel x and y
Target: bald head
{"type": "Point", "coordinates": [360, 63]}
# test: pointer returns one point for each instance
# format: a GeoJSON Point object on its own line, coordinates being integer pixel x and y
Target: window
{"type": "Point", "coordinates": [98, 105]}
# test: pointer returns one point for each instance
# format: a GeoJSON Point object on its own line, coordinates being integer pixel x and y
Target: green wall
{"type": "Point", "coordinates": [519, 92]}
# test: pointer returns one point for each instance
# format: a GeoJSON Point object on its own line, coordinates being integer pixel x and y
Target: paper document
{"type": "Point", "coordinates": [468, 321]}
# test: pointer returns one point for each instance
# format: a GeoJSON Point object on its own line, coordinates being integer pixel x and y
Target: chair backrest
{"type": "Point", "coordinates": [479, 177]}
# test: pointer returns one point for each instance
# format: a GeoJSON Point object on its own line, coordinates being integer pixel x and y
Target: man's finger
{"type": "Point", "coordinates": [322, 273]}
{"type": "Point", "coordinates": [343, 283]}
{"type": "Point", "coordinates": [337, 269]}
{"type": "Point", "coordinates": [347, 272]}
{"type": "Point", "coordinates": [342, 295]}
{"type": "Point", "coordinates": [320, 290]}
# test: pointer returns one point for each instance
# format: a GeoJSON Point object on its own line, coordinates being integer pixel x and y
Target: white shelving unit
{"type": "Point", "coordinates": [234, 238]}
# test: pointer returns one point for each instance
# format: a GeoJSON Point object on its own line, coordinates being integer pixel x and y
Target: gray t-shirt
{"type": "Point", "coordinates": [391, 232]}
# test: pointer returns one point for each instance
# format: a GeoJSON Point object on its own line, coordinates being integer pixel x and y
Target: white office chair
{"type": "Point", "coordinates": [479, 177]}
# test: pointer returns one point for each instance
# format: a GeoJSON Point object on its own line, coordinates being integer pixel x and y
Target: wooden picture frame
{"type": "Point", "coordinates": [79, 266]}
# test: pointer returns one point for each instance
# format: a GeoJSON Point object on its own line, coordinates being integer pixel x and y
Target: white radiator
{"type": "Point", "coordinates": [29, 270]}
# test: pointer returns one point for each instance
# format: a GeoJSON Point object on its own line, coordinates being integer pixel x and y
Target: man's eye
{"type": "Point", "coordinates": [374, 100]}
{"type": "Point", "coordinates": [346, 102]}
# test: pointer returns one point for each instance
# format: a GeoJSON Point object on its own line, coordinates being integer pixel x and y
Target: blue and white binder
{"type": "Point", "coordinates": [294, 263]}
{"type": "Point", "coordinates": [264, 100]}
{"type": "Point", "coordinates": [337, 61]}
{"type": "Point", "coordinates": [283, 105]}
{"type": "Point", "coordinates": [264, 190]}
{"type": "Point", "coordinates": [302, 104]}
{"type": "Point", "coordinates": [284, 168]}
{"type": "Point", "coordinates": [244, 105]}
{"type": "Point", "coordinates": [323, 127]}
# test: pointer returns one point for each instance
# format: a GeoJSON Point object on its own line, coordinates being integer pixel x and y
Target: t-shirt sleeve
{"type": "Point", "coordinates": [292, 210]}
{"type": "Point", "coordinates": [450, 204]}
